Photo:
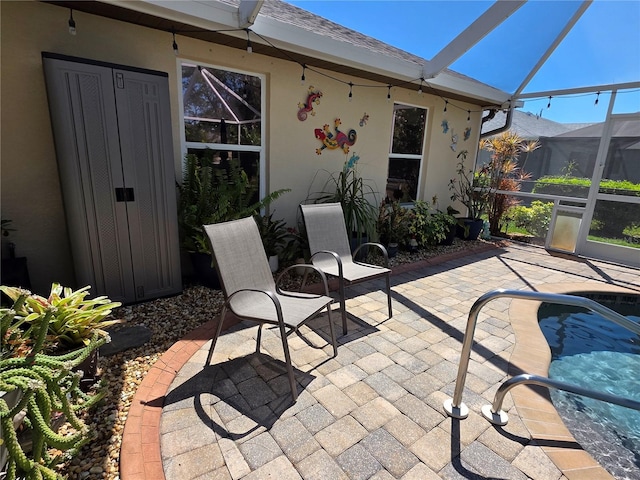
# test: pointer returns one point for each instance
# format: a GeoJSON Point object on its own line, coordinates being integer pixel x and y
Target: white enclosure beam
{"type": "Point", "coordinates": [567, 28]}
{"type": "Point", "coordinates": [481, 27]}
{"type": "Point", "coordinates": [248, 11]}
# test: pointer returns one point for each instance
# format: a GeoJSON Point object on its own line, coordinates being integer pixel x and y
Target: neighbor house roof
{"type": "Point", "coordinates": [530, 126]}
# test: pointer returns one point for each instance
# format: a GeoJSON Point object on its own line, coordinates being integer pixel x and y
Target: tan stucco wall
{"type": "Point", "coordinates": [31, 195]}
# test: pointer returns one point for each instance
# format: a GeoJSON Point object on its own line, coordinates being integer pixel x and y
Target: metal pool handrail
{"type": "Point", "coordinates": [454, 407]}
{"type": "Point", "coordinates": [497, 416]}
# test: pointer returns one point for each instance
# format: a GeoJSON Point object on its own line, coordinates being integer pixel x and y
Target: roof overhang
{"type": "Point", "coordinates": [204, 19]}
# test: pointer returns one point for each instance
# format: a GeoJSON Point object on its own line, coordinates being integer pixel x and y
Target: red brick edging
{"type": "Point", "coordinates": [140, 457]}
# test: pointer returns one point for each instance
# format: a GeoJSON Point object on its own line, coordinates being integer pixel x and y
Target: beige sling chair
{"type": "Point", "coordinates": [251, 293]}
{"type": "Point", "coordinates": [331, 252]}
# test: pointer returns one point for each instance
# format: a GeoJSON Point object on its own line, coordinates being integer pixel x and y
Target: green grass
{"type": "Point", "coordinates": [614, 241]}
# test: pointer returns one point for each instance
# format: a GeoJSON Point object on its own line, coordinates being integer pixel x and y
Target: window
{"type": "Point", "coordinates": [405, 158]}
{"type": "Point", "coordinates": [222, 117]}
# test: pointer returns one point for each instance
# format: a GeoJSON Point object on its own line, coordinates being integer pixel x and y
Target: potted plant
{"type": "Point", "coordinates": [350, 190]}
{"type": "Point", "coordinates": [76, 322]}
{"type": "Point", "coordinates": [47, 386]}
{"type": "Point", "coordinates": [392, 225]}
{"type": "Point", "coordinates": [472, 189]}
{"type": "Point", "coordinates": [213, 193]}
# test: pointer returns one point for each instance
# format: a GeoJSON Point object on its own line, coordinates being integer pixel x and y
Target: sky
{"type": "Point", "coordinates": [602, 48]}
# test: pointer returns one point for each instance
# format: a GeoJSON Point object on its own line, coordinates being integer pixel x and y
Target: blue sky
{"type": "Point", "coordinates": [602, 48]}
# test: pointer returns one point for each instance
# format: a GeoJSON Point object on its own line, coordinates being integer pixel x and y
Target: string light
{"type": "Point", "coordinates": [285, 54]}
{"type": "Point", "coordinates": [175, 45]}
{"type": "Point", "coordinates": [72, 23]}
{"type": "Point", "coordinates": [549, 104]}
{"type": "Point", "coordinates": [249, 47]}
{"type": "Point", "coordinates": [597, 98]}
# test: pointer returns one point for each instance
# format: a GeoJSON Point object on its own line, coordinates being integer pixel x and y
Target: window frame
{"type": "Point", "coordinates": [409, 156]}
{"type": "Point", "coordinates": [259, 149]}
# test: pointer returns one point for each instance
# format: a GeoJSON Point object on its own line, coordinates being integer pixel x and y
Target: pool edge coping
{"type": "Point", "coordinates": [531, 354]}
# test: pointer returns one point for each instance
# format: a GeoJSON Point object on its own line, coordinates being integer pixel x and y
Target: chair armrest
{"type": "Point", "coordinates": [335, 256]}
{"type": "Point", "coordinates": [373, 244]}
{"type": "Point", "coordinates": [323, 277]}
{"type": "Point", "coordinates": [271, 295]}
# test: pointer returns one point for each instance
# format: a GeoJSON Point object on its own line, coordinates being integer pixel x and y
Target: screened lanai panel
{"type": "Point", "coordinates": [221, 106]}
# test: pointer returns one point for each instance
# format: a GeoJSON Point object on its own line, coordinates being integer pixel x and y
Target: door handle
{"type": "Point", "coordinates": [124, 195]}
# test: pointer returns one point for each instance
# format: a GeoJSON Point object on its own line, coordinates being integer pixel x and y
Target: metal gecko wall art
{"type": "Point", "coordinates": [336, 139]}
{"type": "Point", "coordinates": [305, 109]}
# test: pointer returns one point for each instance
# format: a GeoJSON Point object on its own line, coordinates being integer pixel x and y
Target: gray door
{"type": "Point", "coordinates": [113, 142]}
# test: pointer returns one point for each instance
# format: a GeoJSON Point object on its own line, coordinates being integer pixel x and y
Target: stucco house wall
{"type": "Point", "coordinates": [31, 195]}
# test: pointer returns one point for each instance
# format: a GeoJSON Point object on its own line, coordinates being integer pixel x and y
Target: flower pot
{"type": "Point", "coordinates": [451, 234]}
{"type": "Point", "coordinates": [273, 263]}
{"type": "Point", "coordinates": [362, 254]}
{"type": "Point", "coordinates": [205, 273]}
{"type": "Point", "coordinates": [392, 249]}
{"type": "Point", "coordinates": [470, 228]}
{"type": "Point", "coordinates": [300, 270]}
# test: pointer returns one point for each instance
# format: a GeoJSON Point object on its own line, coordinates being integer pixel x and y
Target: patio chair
{"type": "Point", "coordinates": [251, 293]}
{"type": "Point", "coordinates": [331, 251]}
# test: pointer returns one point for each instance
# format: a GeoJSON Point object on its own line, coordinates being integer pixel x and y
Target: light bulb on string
{"type": "Point", "coordinates": [446, 102]}
{"type": "Point", "coordinates": [249, 47]}
{"type": "Point", "coordinates": [549, 104]}
{"type": "Point", "coordinates": [72, 23]}
{"type": "Point", "coordinates": [350, 91]}
{"type": "Point", "coordinates": [388, 93]}
{"type": "Point", "coordinates": [302, 78]}
{"type": "Point", "coordinates": [468, 115]}
{"type": "Point", "coordinates": [175, 45]}
{"type": "Point", "coordinates": [597, 98]}
{"type": "Point", "coordinates": [420, 89]}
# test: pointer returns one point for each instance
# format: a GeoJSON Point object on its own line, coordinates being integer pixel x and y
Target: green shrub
{"type": "Point", "coordinates": [535, 219]}
{"type": "Point", "coordinates": [632, 233]}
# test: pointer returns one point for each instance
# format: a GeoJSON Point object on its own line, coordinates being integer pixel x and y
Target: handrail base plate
{"type": "Point", "coordinates": [461, 412]}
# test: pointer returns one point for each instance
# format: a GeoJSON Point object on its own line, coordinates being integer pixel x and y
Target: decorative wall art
{"type": "Point", "coordinates": [335, 140]}
{"type": "Point", "coordinates": [445, 126]}
{"type": "Point", "coordinates": [454, 141]}
{"type": "Point", "coordinates": [364, 119]}
{"type": "Point", "coordinates": [467, 133]}
{"type": "Point", "coordinates": [304, 109]}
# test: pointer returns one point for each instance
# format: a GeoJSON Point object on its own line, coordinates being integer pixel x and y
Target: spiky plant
{"type": "Point", "coordinates": [504, 173]}
{"type": "Point", "coordinates": [49, 386]}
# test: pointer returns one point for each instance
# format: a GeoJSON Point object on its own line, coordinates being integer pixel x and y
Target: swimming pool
{"type": "Point", "coordinates": [589, 351]}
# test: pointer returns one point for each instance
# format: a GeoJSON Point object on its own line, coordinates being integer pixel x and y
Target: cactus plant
{"type": "Point", "coordinates": [49, 385]}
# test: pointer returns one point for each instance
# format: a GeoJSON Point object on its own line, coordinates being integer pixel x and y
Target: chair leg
{"type": "Point", "coordinates": [343, 305]}
{"type": "Point", "coordinates": [258, 338]}
{"type": "Point", "coordinates": [217, 334]}
{"type": "Point", "coordinates": [389, 294]}
{"type": "Point", "coordinates": [332, 331]}
{"type": "Point", "coordinates": [287, 357]}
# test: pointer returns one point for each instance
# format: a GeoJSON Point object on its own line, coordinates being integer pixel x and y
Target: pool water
{"type": "Point", "coordinates": [589, 351]}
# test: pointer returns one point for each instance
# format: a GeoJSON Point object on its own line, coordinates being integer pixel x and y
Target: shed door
{"type": "Point", "coordinates": [113, 143]}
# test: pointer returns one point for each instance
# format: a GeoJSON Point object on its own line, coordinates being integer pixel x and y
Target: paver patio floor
{"type": "Point", "coordinates": [374, 411]}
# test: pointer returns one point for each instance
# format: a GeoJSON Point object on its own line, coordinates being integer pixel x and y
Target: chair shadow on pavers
{"type": "Point", "coordinates": [235, 399]}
